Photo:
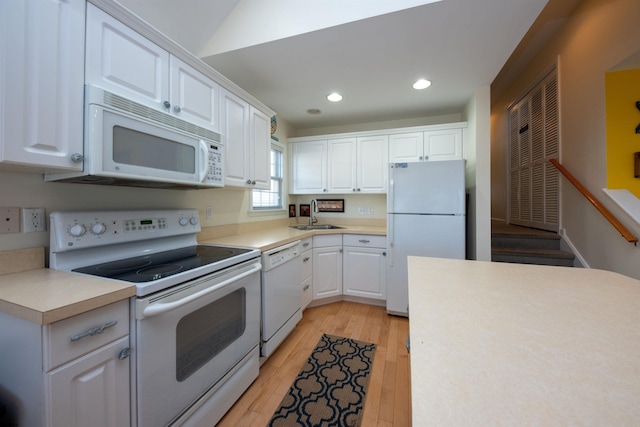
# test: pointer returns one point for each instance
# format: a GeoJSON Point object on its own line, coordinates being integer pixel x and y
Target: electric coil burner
{"type": "Point", "coordinates": [196, 316]}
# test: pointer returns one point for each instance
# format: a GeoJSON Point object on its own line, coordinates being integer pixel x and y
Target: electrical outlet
{"type": "Point", "coordinates": [370, 211]}
{"type": "Point", "coordinates": [209, 212]}
{"type": "Point", "coordinates": [9, 220]}
{"type": "Point", "coordinates": [33, 220]}
{"type": "Point", "coordinates": [362, 210]}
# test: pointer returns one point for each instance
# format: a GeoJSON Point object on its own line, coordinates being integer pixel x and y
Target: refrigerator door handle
{"type": "Point", "coordinates": [390, 239]}
{"type": "Point", "coordinates": [390, 217]}
{"type": "Point", "coordinates": [390, 190]}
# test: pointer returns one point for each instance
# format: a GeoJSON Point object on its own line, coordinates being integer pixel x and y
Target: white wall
{"type": "Point", "coordinates": [598, 35]}
{"type": "Point", "coordinates": [478, 176]}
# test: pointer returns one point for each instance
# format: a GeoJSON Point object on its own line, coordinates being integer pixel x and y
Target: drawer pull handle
{"type": "Point", "coordinates": [306, 259]}
{"type": "Point", "coordinates": [305, 244]}
{"type": "Point", "coordinates": [93, 331]}
{"type": "Point", "coordinates": [305, 287]}
{"type": "Point", "coordinates": [364, 241]}
{"type": "Point", "coordinates": [126, 352]}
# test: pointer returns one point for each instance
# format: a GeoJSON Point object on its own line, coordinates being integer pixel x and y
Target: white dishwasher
{"type": "Point", "coordinates": [281, 295]}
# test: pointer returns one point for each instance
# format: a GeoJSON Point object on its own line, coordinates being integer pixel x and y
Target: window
{"type": "Point", "coordinates": [270, 199]}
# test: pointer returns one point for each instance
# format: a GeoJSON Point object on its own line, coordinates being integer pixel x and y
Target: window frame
{"type": "Point", "coordinates": [281, 183]}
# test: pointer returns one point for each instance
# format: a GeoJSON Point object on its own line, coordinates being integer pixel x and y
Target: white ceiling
{"type": "Point", "coordinates": [459, 45]}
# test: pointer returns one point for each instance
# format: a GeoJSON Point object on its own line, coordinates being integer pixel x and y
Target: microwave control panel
{"type": "Point", "coordinates": [215, 170]}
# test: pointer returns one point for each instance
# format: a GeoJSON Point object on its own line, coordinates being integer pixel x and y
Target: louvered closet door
{"type": "Point", "coordinates": [533, 140]}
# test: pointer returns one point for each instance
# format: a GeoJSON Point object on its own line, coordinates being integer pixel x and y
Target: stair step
{"type": "Point", "coordinates": [532, 256]}
{"type": "Point", "coordinates": [525, 241]}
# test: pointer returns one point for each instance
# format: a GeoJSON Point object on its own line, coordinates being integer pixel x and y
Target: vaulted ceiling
{"type": "Point", "coordinates": [291, 54]}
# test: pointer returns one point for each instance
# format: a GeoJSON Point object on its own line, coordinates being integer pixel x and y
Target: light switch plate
{"type": "Point", "coordinates": [9, 220]}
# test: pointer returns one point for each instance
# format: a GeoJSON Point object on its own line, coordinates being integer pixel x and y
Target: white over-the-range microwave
{"type": "Point", "coordinates": [126, 143]}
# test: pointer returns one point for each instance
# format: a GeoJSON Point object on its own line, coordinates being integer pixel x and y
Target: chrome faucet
{"type": "Point", "coordinates": [314, 209]}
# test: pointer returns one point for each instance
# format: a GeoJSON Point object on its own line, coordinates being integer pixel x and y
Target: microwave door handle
{"type": "Point", "coordinates": [204, 151]}
{"type": "Point", "coordinates": [160, 308]}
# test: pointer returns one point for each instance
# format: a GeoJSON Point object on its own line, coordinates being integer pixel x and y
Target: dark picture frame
{"type": "Point", "coordinates": [292, 211]}
{"type": "Point", "coordinates": [305, 210]}
{"type": "Point", "coordinates": [330, 205]}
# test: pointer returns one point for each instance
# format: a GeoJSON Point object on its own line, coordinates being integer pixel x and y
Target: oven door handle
{"type": "Point", "coordinates": [160, 308]}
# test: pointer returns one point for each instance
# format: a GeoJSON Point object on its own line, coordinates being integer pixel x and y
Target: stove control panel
{"type": "Point", "coordinates": [76, 230]}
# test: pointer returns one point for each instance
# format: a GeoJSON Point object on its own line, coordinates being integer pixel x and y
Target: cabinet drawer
{"type": "Point", "coordinates": [306, 243]}
{"type": "Point", "coordinates": [70, 338]}
{"type": "Point", "coordinates": [327, 240]}
{"type": "Point", "coordinates": [307, 264]}
{"type": "Point", "coordinates": [365, 241]}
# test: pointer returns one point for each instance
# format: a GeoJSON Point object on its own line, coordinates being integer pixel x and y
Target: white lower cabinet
{"type": "Point", "coordinates": [327, 266]}
{"type": "Point", "coordinates": [71, 373]}
{"type": "Point", "coordinates": [364, 272]}
{"type": "Point", "coordinates": [91, 391]}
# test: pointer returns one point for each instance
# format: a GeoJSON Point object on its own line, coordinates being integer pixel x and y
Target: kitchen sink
{"type": "Point", "coordinates": [316, 227]}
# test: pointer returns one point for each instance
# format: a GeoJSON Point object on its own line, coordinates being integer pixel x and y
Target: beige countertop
{"type": "Point", "coordinates": [276, 236]}
{"type": "Point", "coordinates": [513, 344]}
{"type": "Point", "coordinates": [45, 296]}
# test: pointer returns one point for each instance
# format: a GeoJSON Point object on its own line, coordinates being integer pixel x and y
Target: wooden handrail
{"type": "Point", "coordinates": [596, 203]}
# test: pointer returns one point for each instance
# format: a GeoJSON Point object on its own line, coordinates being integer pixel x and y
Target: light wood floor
{"type": "Point", "coordinates": [388, 401]}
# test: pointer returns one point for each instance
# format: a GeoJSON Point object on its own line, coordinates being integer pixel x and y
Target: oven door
{"type": "Point", "coordinates": [188, 337]}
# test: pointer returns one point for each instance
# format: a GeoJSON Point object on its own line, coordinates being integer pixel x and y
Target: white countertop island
{"type": "Point", "coordinates": [515, 345]}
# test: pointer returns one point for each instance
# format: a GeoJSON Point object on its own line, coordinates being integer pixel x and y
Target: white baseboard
{"type": "Point", "coordinates": [568, 245]}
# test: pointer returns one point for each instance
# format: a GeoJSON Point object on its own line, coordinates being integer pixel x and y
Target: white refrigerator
{"type": "Point", "coordinates": [426, 207]}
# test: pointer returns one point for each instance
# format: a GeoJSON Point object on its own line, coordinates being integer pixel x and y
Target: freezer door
{"type": "Point", "coordinates": [440, 236]}
{"type": "Point", "coordinates": [427, 187]}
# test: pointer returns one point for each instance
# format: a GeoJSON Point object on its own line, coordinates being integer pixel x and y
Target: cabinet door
{"type": "Point", "coordinates": [365, 272]}
{"type": "Point", "coordinates": [123, 62]}
{"type": "Point", "coordinates": [235, 134]}
{"type": "Point", "coordinates": [327, 272]}
{"type": "Point", "coordinates": [194, 97]}
{"type": "Point", "coordinates": [42, 85]}
{"type": "Point", "coordinates": [309, 167]}
{"type": "Point", "coordinates": [260, 150]}
{"type": "Point", "coordinates": [443, 144]}
{"type": "Point", "coordinates": [372, 164]}
{"type": "Point", "coordinates": [341, 165]}
{"type": "Point", "coordinates": [406, 147]}
{"type": "Point", "coordinates": [90, 391]}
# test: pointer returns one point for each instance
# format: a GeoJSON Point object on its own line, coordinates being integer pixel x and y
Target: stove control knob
{"type": "Point", "coordinates": [98, 228]}
{"type": "Point", "coordinates": [77, 230]}
{"type": "Point", "coordinates": [193, 220]}
{"type": "Point", "coordinates": [183, 221]}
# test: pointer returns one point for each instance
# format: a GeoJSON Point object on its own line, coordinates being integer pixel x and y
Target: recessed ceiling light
{"type": "Point", "coordinates": [313, 111]}
{"type": "Point", "coordinates": [334, 97]}
{"type": "Point", "coordinates": [421, 84]}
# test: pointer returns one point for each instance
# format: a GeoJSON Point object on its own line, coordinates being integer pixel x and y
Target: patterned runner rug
{"type": "Point", "coordinates": [330, 388]}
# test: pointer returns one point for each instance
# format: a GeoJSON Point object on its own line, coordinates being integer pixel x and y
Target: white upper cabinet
{"type": "Point", "coordinates": [193, 96]}
{"type": "Point", "coordinates": [441, 144]}
{"type": "Point", "coordinates": [125, 63]}
{"type": "Point", "coordinates": [259, 149]}
{"type": "Point", "coordinates": [308, 167]}
{"type": "Point", "coordinates": [245, 132]}
{"type": "Point", "coordinates": [406, 147]}
{"type": "Point", "coordinates": [42, 69]}
{"type": "Point", "coordinates": [371, 164]}
{"type": "Point", "coordinates": [352, 165]}
{"type": "Point", "coordinates": [341, 165]}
